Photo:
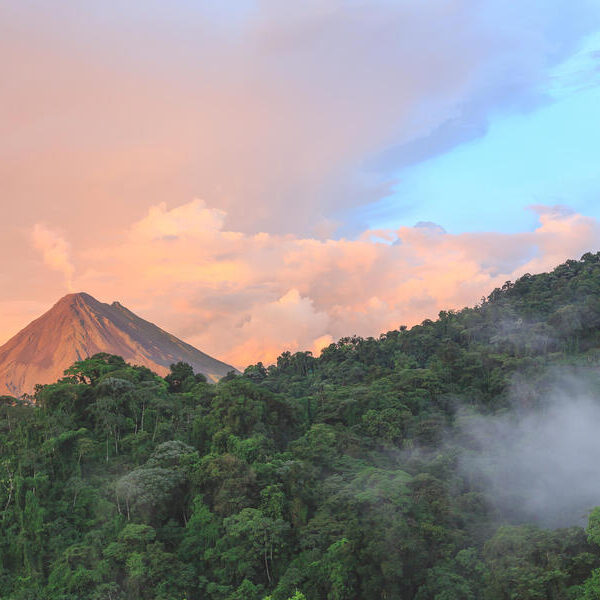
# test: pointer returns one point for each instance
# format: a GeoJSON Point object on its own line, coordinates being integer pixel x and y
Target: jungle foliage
{"type": "Point", "coordinates": [316, 478]}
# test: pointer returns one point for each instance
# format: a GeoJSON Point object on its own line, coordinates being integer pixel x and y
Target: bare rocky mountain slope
{"type": "Point", "coordinates": [79, 326]}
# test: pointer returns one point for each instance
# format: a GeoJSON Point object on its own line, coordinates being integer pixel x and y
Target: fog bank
{"type": "Point", "coordinates": [542, 463]}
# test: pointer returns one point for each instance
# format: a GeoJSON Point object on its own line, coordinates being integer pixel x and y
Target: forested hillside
{"type": "Point", "coordinates": [333, 478]}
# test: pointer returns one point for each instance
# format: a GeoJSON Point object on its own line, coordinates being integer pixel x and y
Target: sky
{"type": "Point", "coordinates": [256, 176]}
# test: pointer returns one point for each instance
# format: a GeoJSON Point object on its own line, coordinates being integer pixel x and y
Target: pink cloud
{"type": "Point", "coordinates": [270, 116]}
{"type": "Point", "coordinates": [247, 297]}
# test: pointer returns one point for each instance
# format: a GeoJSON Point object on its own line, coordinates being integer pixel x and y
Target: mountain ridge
{"type": "Point", "coordinates": [78, 326]}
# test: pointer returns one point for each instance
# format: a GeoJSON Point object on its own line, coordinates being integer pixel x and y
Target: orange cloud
{"type": "Point", "coordinates": [246, 297]}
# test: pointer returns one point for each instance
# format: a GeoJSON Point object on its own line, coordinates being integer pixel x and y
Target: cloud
{"type": "Point", "coordinates": [55, 251]}
{"type": "Point", "coordinates": [284, 119]}
{"type": "Point", "coordinates": [247, 297]}
{"type": "Point", "coordinates": [539, 463]}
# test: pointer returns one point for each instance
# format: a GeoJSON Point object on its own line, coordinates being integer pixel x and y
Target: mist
{"type": "Point", "coordinates": [540, 461]}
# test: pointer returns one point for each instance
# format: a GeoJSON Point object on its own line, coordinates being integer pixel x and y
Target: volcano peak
{"type": "Point", "coordinates": [79, 326]}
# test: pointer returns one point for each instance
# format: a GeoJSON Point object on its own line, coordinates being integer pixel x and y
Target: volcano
{"type": "Point", "coordinates": [79, 326]}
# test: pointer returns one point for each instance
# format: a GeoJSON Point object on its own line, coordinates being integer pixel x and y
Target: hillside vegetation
{"type": "Point", "coordinates": [333, 478]}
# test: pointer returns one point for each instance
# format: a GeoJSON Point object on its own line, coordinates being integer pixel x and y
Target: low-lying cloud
{"type": "Point", "coordinates": [542, 464]}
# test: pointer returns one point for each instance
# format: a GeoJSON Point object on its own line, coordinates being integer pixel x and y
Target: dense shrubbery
{"type": "Point", "coordinates": [320, 478]}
